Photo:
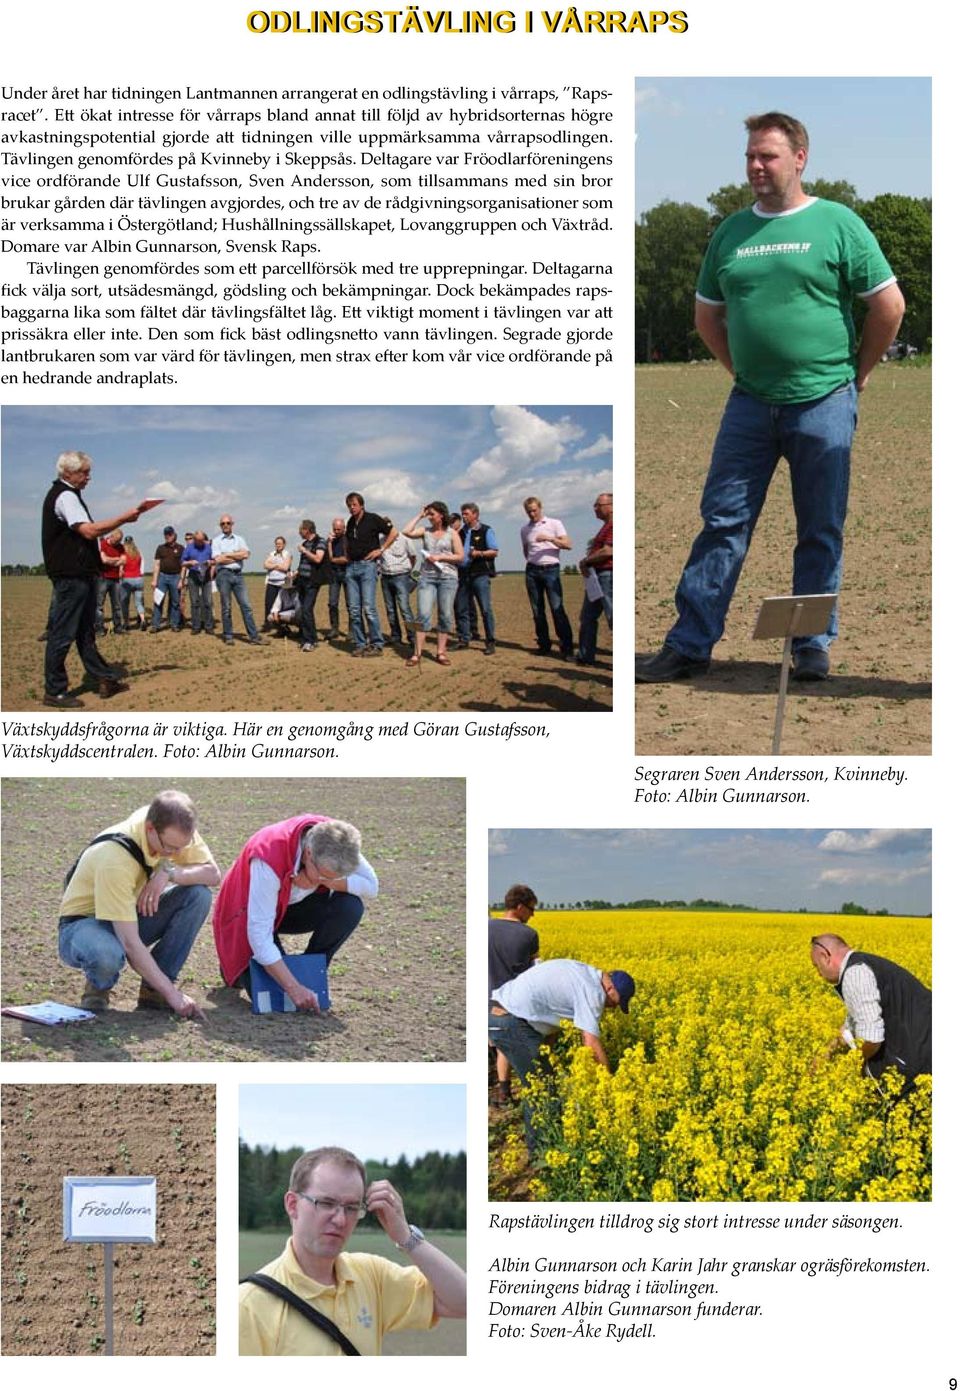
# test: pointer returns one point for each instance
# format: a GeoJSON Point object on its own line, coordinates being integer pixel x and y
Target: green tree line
{"type": "Point", "coordinates": [433, 1187]}
{"type": "Point", "coordinates": [671, 238]}
{"type": "Point", "coordinates": [694, 905]}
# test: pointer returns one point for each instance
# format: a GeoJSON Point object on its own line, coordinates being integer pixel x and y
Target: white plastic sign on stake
{"type": "Point", "coordinates": [110, 1209]}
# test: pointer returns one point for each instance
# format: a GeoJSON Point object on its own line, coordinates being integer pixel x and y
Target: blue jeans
{"type": "Point", "coordinates": [590, 616]}
{"type": "Point", "coordinates": [72, 619]}
{"type": "Point", "coordinates": [132, 585]}
{"type": "Point", "coordinates": [815, 437]}
{"type": "Point", "coordinates": [91, 945]}
{"type": "Point", "coordinates": [169, 586]}
{"type": "Point", "coordinates": [545, 586]}
{"type": "Point", "coordinates": [474, 588]}
{"type": "Point", "coordinates": [308, 591]}
{"type": "Point", "coordinates": [109, 589]}
{"type": "Point", "coordinates": [396, 601]}
{"type": "Point", "coordinates": [436, 587]}
{"type": "Point", "coordinates": [361, 585]}
{"type": "Point", "coordinates": [231, 583]}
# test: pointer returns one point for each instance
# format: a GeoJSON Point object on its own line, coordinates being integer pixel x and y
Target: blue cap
{"type": "Point", "coordinates": [625, 987]}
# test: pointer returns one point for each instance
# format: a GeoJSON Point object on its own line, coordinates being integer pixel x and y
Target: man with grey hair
{"type": "Point", "coordinates": [349, 1301]}
{"type": "Point", "coordinates": [889, 1011]}
{"type": "Point", "coordinates": [71, 557]}
{"type": "Point", "coordinates": [139, 892]}
{"type": "Point", "coordinates": [303, 876]}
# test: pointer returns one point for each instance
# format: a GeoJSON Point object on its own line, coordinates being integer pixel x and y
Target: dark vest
{"type": "Point", "coordinates": [478, 539]}
{"type": "Point", "coordinates": [66, 554]}
{"type": "Point", "coordinates": [906, 1005]}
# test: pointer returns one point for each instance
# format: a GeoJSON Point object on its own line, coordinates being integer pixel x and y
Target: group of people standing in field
{"type": "Point", "coordinates": [442, 561]}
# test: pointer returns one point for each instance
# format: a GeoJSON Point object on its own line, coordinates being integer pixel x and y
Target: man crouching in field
{"type": "Point", "coordinates": [526, 1012]}
{"type": "Point", "coordinates": [144, 883]}
{"type": "Point", "coordinates": [317, 1301]}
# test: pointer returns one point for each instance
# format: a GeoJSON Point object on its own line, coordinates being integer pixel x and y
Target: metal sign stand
{"type": "Point", "coordinates": [108, 1298]}
{"type": "Point", "coordinates": [102, 1210]}
{"type": "Point", "coordinates": [787, 616]}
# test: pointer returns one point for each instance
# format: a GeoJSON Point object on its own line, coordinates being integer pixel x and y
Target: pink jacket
{"type": "Point", "coordinates": [277, 846]}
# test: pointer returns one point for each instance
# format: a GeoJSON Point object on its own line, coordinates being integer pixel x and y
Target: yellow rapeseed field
{"type": "Point", "coordinates": [720, 1089]}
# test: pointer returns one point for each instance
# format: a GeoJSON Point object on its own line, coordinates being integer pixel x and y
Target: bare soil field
{"type": "Point", "coordinates": [164, 1296]}
{"type": "Point", "coordinates": [397, 986]}
{"type": "Point", "coordinates": [177, 671]}
{"type": "Point", "coordinates": [878, 697]}
{"type": "Point", "coordinates": [447, 1339]}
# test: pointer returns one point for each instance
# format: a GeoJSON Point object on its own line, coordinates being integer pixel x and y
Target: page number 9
{"type": "Point", "coordinates": [952, 1384]}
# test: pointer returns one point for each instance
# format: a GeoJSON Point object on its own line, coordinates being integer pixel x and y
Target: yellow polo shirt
{"type": "Point", "coordinates": [372, 1297]}
{"type": "Point", "coordinates": [108, 880]}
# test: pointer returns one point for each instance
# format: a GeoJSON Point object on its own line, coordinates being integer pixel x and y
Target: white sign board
{"type": "Point", "coordinates": [109, 1209]}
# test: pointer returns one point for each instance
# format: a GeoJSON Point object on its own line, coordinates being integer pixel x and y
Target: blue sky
{"type": "Point", "coordinates": [271, 466]}
{"type": "Point", "coordinates": [873, 131]}
{"type": "Point", "coordinates": [787, 869]}
{"type": "Point", "coordinates": [375, 1122]}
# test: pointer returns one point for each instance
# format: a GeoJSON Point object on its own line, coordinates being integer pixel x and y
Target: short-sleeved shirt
{"type": "Point", "coordinates": [226, 545]}
{"type": "Point", "coordinates": [511, 947]}
{"type": "Point", "coordinates": [371, 1297]}
{"type": "Point", "coordinates": [170, 555]}
{"type": "Point", "coordinates": [541, 552]}
{"type": "Point", "coordinates": [69, 508]}
{"type": "Point", "coordinates": [604, 537]}
{"type": "Point", "coordinates": [363, 535]}
{"type": "Point", "coordinates": [788, 281]}
{"type": "Point", "coordinates": [110, 551]}
{"type": "Point", "coordinates": [553, 991]}
{"type": "Point", "coordinates": [108, 880]}
{"type": "Point", "coordinates": [197, 557]}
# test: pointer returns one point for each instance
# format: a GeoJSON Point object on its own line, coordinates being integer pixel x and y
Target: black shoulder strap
{"type": "Point", "coordinates": [118, 837]}
{"type": "Point", "coordinates": [267, 1282]}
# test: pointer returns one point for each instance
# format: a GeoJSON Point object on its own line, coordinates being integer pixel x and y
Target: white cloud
{"type": "Point", "coordinates": [194, 494]}
{"type": "Point", "coordinates": [878, 874]}
{"type": "Point", "coordinates": [387, 488]}
{"type": "Point", "coordinates": [379, 447]}
{"type": "Point", "coordinates": [561, 492]}
{"type": "Point", "coordinates": [891, 841]}
{"type": "Point", "coordinates": [524, 441]}
{"type": "Point", "coordinates": [497, 843]}
{"type": "Point", "coordinates": [601, 445]}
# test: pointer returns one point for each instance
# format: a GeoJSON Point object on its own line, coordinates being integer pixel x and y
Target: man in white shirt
{"type": "Point", "coordinates": [229, 553]}
{"type": "Point", "coordinates": [71, 556]}
{"type": "Point", "coordinates": [527, 1011]}
{"type": "Point", "coordinates": [889, 1011]}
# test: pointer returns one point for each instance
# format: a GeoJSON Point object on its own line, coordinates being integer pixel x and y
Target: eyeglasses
{"type": "Point", "coordinates": [168, 849]}
{"type": "Point", "coordinates": [330, 1207]}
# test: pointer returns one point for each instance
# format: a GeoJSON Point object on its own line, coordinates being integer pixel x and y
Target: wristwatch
{"type": "Point", "coordinates": [412, 1241]}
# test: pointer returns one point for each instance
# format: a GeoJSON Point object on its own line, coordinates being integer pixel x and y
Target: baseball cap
{"type": "Point", "coordinates": [625, 987]}
{"type": "Point", "coordinates": [169, 531]}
